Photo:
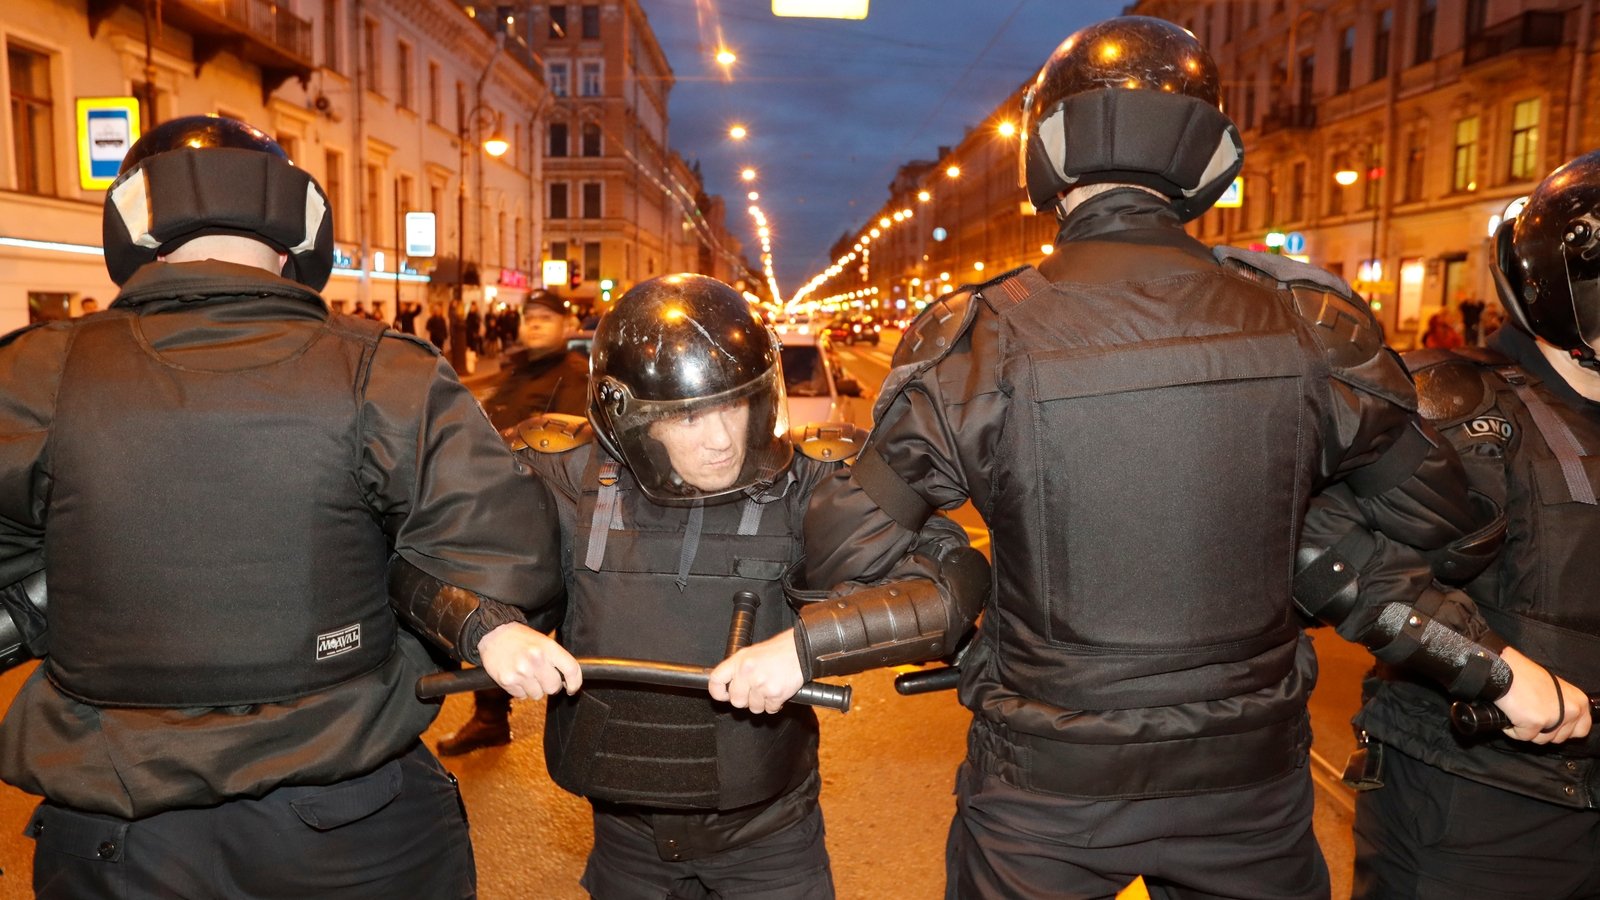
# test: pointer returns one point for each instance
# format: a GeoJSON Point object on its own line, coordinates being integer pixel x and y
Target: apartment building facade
{"type": "Point", "coordinates": [386, 102]}
{"type": "Point", "coordinates": [1383, 140]}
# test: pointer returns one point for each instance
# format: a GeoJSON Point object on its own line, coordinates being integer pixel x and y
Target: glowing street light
{"type": "Point", "coordinates": [496, 145]}
{"type": "Point", "coordinates": [1007, 129]}
{"type": "Point", "coordinates": [748, 174]}
{"type": "Point", "coordinates": [726, 57]}
{"type": "Point", "coordinates": [1346, 177]}
{"type": "Point", "coordinates": [753, 196]}
{"type": "Point", "coordinates": [883, 222]}
{"type": "Point", "coordinates": [738, 132]}
{"type": "Point", "coordinates": [953, 172]}
{"type": "Point", "coordinates": [923, 196]}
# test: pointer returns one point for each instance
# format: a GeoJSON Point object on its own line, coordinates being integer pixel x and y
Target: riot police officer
{"type": "Point", "coordinates": [228, 494]}
{"type": "Point", "coordinates": [546, 378]}
{"type": "Point", "coordinates": [1142, 423]}
{"type": "Point", "coordinates": [686, 491]}
{"type": "Point", "coordinates": [1523, 415]}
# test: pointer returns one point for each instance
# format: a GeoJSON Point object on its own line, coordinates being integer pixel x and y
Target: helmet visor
{"type": "Point", "coordinates": [705, 447]}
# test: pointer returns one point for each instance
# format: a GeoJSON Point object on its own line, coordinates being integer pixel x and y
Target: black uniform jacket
{"type": "Point", "coordinates": [438, 485]}
{"type": "Point", "coordinates": [554, 383]}
{"type": "Point", "coordinates": [1143, 437]}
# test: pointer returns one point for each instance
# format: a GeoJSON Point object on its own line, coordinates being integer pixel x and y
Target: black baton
{"type": "Point", "coordinates": [812, 693]}
{"type": "Point", "coordinates": [1472, 719]}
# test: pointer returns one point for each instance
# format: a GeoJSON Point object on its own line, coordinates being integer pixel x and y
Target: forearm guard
{"type": "Point", "coordinates": [1465, 558]}
{"type": "Point", "coordinates": [450, 616]}
{"type": "Point", "coordinates": [906, 621]}
{"type": "Point", "coordinates": [22, 621]}
{"type": "Point", "coordinates": [1408, 636]}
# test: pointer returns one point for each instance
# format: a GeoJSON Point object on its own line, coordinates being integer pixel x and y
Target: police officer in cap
{"type": "Point", "coordinates": [547, 377]}
{"type": "Point", "coordinates": [686, 491]}
{"type": "Point", "coordinates": [228, 495]}
{"type": "Point", "coordinates": [1142, 423]}
{"type": "Point", "coordinates": [1500, 818]}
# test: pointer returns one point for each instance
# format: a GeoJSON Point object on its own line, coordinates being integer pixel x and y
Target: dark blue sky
{"type": "Point", "coordinates": [835, 107]}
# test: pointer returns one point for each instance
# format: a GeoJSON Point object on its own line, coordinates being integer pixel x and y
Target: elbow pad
{"type": "Point", "coordinates": [891, 624]}
{"type": "Point", "coordinates": [1465, 558]}
{"type": "Point", "coordinates": [450, 616]}
{"type": "Point", "coordinates": [1407, 636]}
{"type": "Point", "coordinates": [22, 621]}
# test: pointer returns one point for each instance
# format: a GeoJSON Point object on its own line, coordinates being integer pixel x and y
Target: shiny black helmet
{"type": "Point", "coordinates": [203, 175]}
{"type": "Point", "coordinates": [686, 389]}
{"type": "Point", "coordinates": [1547, 260]}
{"type": "Point", "coordinates": [1131, 100]}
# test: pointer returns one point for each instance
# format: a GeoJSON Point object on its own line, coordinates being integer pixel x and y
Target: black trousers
{"type": "Point", "coordinates": [399, 831]}
{"type": "Point", "coordinates": [1428, 834]}
{"type": "Point", "coordinates": [1255, 842]}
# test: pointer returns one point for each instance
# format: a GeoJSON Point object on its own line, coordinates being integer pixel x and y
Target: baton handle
{"type": "Point", "coordinates": [1469, 719]}
{"type": "Point", "coordinates": [813, 693]}
{"type": "Point", "coordinates": [926, 681]}
{"type": "Point", "coordinates": [743, 626]}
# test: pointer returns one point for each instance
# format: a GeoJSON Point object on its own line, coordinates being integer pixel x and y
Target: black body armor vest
{"type": "Point", "coordinates": [265, 580]}
{"type": "Point", "coordinates": [657, 582]}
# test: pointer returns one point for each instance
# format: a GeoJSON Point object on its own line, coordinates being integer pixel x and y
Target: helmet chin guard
{"type": "Point", "coordinates": [204, 175]}
{"type": "Point", "coordinates": [1132, 100]}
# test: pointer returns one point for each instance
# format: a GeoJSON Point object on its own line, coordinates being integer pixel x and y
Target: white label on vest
{"type": "Point", "coordinates": [334, 643]}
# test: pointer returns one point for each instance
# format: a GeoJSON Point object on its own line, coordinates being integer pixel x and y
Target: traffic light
{"type": "Point", "coordinates": [606, 285]}
{"type": "Point", "coordinates": [577, 274]}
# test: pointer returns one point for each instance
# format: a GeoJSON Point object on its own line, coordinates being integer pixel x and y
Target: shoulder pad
{"type": "Point", "coordinates": [935, 330]}
{"type": "Point", "coordinates": [415, 339]}
{"type": "Point", "coordinates": [11, 337]}
{"type": "Point", "coordinates": [1280, 270]}
{"type": "Point", "coordinates": [1450, 389]}
{"type": "Point", "coordinates": [1345, 327]}
{"type": "Point", "coordinates": [829, 441]}
{"type": "Point", "coordinates": [551, 433]}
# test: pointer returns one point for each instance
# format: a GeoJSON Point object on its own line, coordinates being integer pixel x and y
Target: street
{"type": "Point", "coordinates": [888, 767]}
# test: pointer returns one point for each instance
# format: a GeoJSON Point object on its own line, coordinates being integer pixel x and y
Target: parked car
{"type": "Point", "coordinates": [819, 390]}
{"type": "Point", "coordinates": [856, 328]}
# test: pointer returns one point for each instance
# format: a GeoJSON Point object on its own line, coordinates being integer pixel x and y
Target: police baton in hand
{"type": "Point", "coordinates": [1479, 719]}
{"type": "Point", "coordinates": [641, 671]}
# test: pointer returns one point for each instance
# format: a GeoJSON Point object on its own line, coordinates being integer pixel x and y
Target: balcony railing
{"type": "Point", "coordinates": [261, 32]}
{"type": "Point", "coordinates": [1535, 28]}
{"type": "Point", "coordinates": [1288, 116]}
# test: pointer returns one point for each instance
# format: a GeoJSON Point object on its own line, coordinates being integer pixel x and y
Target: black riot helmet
{"type": "Point", "coordinates": [203, 175]}
{"type": "Point", "coordinates": [686, 389]}
{"type": "Point", "coordinates": [1547, 260]}
{"type": "Point", "coordinates": [1131, 100]}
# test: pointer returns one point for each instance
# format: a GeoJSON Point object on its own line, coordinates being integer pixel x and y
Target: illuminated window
{"type": "Point", "coordinates": [1525, 140]}
{"type": "Point", "coordinates": [1464, 171]}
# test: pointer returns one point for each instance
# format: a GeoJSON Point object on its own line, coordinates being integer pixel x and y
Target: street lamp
{"type": "Point", "coordinates": [738, 132]}
{"type": "Point", "coordinates": [495, 146]}
{"type": "Point", "coordinates": [748, 174]}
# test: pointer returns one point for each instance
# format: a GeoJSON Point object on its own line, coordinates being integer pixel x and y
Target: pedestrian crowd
{"type": "Point", "coordinates": [1188, 457]}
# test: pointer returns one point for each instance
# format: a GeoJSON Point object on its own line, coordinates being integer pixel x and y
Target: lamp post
{"type": "Point", "coordinates": [495, 146]}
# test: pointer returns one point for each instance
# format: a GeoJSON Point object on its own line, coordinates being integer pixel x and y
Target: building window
{"type": "Point", "coordinates": [333, 186]}
{"type": "Point", "coordinates": [1427, 15]}
{"type": "Point", "coordinates": [1525, 140]}
{"type": "Point", "coordinates": [374, 58]}
{"type": "Point", "coordinates": [433, 92]}
{"type": "Point", "coordinates": [1297, 193]}
{"type": "Point", "coordinates": [591, 22]}
{"type": "Point", "coordinates": [331, 16]}
{"type": "Point", "coordinates": [558, 21]}
{"type": "Point", "coordinates": [558, 139]}
{"type": "Point", "coordinates": [408, 99]}
{"type": "Point", "coordinates": [1477, 18]}
{"type": "Point", "coordinates": [436, 199]}
{"type": "Point", "coordinates": [558, 200]}
{"type": "Point", "coordinates": [374, 204]}
{"type": "Point", "coordinates": [1464, 170]}
{"type": "Point", "coordinates": [32, 138]}
{"type": "Point", "coordinates": [589, 84]}
{"type": "Point", "coordinates": [403, 186]}
{"type": "Point", "coordinates": [516, 245]}
{"type": "Point", "coordinates": [1347, 53]}
{"type": "Point", "coordinates": [290, 145]}
{"type": "Point", "coordinates": [591, 260]}
{"type": "Point", "coordinates": [1308, 74]}
{"type": "Point", "coordinates": [1415, 160]}
{"type": "Point", "coordinates": [151, 101]}
{"type": "Point", "coordinates": [591, 200]}
{"type": "Point", "coordinates": [555, 75]}
{"type": "Point", "coordinates": [558, 250]}
{"type": "Point", "coordinates": [1383, 31]}
{"type": "Point", "coordinates": [591, 139]}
